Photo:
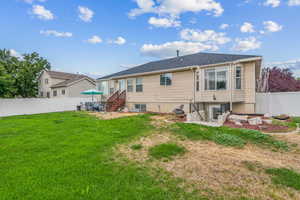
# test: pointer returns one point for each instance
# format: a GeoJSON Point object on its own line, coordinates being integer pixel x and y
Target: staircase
{"type": "Point", "coordinates": [116, 101]}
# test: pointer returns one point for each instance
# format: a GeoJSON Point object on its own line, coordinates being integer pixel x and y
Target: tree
{"type": "Point", "coordinates": [19, 76]}
{"type": "Point", "coordinates": [280, 80]}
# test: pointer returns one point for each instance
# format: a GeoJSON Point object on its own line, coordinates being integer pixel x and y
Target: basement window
{"type": "Point", "coordinates": [140, 107]}
{"type": "Point", "coordinates": [54, 93]}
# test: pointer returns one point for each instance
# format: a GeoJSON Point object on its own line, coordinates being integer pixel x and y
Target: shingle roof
{"type": "Point", "coordinates": [199, 59]}
{"type": "Point", "coordinates": [67, 78]}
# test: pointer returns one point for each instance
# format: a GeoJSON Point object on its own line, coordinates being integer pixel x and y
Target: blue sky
{"type": "Point", "coordinates": [101, 37]}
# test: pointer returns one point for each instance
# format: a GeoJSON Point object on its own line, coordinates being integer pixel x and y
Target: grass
{"type": "Point", "coordinates": [167, 150]}
{"type": "Point", "coordinates": [286, 177]}
{"type": "Point", "coordinates": [228, 136]}
{"type": "Point", "coordinates": [70, 156]}
{"type": "Point", "coordinates": [136, 147]}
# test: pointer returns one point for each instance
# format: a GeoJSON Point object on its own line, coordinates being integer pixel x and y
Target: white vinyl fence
{"type": "Point", "coordinates": [10, 107]}
{"type": "Point", "coordinates": [278, 103]}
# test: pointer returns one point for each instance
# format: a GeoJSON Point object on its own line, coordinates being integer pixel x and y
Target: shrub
{"type": "Point", "coordinates": [167, 150]}
{"type": "Point", "coordinates": [229, 140]}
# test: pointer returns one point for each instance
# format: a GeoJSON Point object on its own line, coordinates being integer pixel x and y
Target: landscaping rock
{"type": "Point", "coordinates": [238, 118]}
{"type": "Point", "coordinates": [255, 121]}
{"type": "Point", "coordinates": [267, 121]}
{"type": "Point", "coordinates": [238, 123]}
{"type": "Point", "coordinates": [222, 118]}
{"type": "Point", "coordinates": [267, 115]}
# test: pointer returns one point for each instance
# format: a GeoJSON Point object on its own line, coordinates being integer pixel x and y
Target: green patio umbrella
{"type": "Point", "coordinates": [92, 92]}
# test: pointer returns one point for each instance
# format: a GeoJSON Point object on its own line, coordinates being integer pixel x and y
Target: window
{"type": "Point", "coordinates": [210, 79]}
{"type": "Point", "coordinates": [41, 94]}
{"type": "Point", "coordinates": [103, 87]}
{"type": "Point", "coordinates": [111, 90]}
{"type": "Point", "coordinates": [238, 78]}
{"type": "Point", "coordinates": [216, 79]}
{"type": "Point", "coordinates": [46, 81]}
{"type": "Point", "coordinates": [54, 93]}
{"type": "Point", "coordinates": [130, 85]}
{"type": "Point", "coordinates": [197, 82]}
{"type": "Point", "coordinates": [139, 85]}
{"type": "Point", "coordinates": [221, 80]}
{"type": "Point", "coordinates": [63, 92]}
{"type": "Point", "coordinates": [140, 107]}
{"type": "Point", "coordinates": [122, 85]}
{"type": "Point", "coordinates": [166, 79]}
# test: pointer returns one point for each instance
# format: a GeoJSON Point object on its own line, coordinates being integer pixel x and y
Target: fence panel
{"type": "Point", "coordinates": [278, 103]}
{"type": "Point", "coordinates": [11, 107]}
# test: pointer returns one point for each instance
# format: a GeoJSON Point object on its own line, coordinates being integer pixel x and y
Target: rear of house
{"type": "Point", "coordinates": [211, 83]}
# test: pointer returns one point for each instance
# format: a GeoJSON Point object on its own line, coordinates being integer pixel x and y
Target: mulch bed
{"type": "Point", "coordinates": [263, 127]}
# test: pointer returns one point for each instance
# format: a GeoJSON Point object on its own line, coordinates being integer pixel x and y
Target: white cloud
{"type": "Point", "coordinates": [271, 26]}
{"type": "Point", "coordinates": [272, 3]}
{"type": "Point", "coordinates": [247, 28]}
{"type": "Point", "coordinates": [224, 26]}
{"type": "Point", "coordinates": [119, 41]}
{"type": "Point", "coordinates": [176, 7]}
{"type": "Point", "coordinates": [31, 1]}
{"type": "Point", "coordinates": [209, 37]}
{"type": "Point", "coordinates": [247, 44]}
{"type": "Point", "coordinates": [85, 14]}
{"type": "Point", "coordinates": [94, 40]}
{"type": "Point", "coordinates": [42, 13]}
{"type": "Point", "coordinates": [169, 49]}
{"type": "Point", "coordinates": [164, 22]}
{"type": "Point", "coordinates": [294, 3]}
{"type": "Point", "coordinates": [56, 33]}
{"type": "Point", "coordinates": [14, 53]}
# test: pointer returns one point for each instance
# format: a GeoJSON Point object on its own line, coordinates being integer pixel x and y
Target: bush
{"type": "Point", "coordinates": [228, 140]}
{"type": "Point", "coordinates": [167, 150]}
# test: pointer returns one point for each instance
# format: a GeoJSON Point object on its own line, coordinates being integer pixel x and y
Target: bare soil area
{"type": "Point", "coordinates": [112, 115]}
{"type": "Point", "coordinates": [218, 170]}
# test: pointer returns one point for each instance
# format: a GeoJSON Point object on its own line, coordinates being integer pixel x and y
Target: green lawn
{"type": "Point", "coordinates": [70, 156]}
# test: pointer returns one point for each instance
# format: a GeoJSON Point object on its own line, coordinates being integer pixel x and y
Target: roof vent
{"type": "Point", "coordinates": [177, 51]}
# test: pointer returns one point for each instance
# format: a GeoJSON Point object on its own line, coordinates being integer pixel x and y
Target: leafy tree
{"type": "Point", "coordinates": [19, 76]}
{"type": "Point", "coordinates": [280, 80]}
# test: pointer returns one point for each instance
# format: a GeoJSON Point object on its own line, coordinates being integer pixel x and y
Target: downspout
{"type": "Point", "coordinates": [231, 88]}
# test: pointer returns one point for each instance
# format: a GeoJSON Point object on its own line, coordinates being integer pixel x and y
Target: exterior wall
{"type": "Point", "coordinates": [59, 92]}
{"type": "Point", "coordinates": [246, 108]}
{"type": "Point", "coordinates": [246, 94]}
{"type": "Point", "coordinates": [43, 87]}
{"type": "Point", "coordinates": [161, 107]}
{"type": "Point", "coordinates": [75, 89]}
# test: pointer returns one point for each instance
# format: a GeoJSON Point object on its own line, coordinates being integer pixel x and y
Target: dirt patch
{"type": "Point", "coordinates": [223, 170]}
{"type": "Point", "coordinates": [112, 115]}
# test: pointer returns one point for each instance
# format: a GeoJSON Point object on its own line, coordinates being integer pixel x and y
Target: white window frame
{"type": "Point", "coordinates": [216, 70]}
{"type": "Point", "coordinates": [139, 84]}
{"type": "Point", "coordinates": [235, 77]}
{"type": "Point", "coordinates": [165, 83]}
{"type": "Point", "coordinates": [132, 85]}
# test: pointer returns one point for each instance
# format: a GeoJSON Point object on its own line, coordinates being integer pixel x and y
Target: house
{"type": "Point", "coordinates": [209, 82]}
{"type": "Point", "coordinates": [53, 84]}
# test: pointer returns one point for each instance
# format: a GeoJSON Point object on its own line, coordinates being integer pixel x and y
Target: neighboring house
{"type": "Point", "coordinates": [215, 83]}
{"type": "Point", "coordinates": [54, 84]}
